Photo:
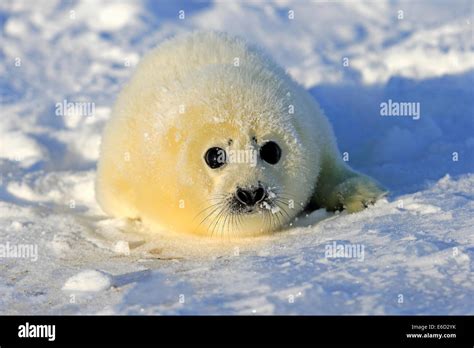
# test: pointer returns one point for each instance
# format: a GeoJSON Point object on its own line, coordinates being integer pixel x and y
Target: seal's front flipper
{"type": "Point", "coordinates": [355, 194]}
{"type": "Point", "coordinates": [347, 190]}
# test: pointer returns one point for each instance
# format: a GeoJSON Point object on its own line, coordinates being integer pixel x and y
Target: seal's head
{"type": "Point", "coordinates": [221, 151]}
{"type": "Point", "coordinates": [238, 158]}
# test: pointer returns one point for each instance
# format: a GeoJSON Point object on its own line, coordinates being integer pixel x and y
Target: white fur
{"type": "Point", "coordinates": [194, 92]}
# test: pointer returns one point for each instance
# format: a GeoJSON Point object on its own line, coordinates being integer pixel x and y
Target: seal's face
{"type": "Point", "coordinates": [242, 170]}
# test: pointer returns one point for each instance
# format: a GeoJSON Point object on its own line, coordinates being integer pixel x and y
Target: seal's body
{"type": "Point", "coordinates": [211, 137]}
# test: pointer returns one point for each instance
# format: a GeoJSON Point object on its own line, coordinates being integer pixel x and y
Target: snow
{"type": "Point", "coordinates": [418, 244]}
{"type": "Point", "coordinates": [89, 280]}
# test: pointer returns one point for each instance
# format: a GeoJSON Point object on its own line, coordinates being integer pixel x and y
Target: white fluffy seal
{"type": "Point", "coordinates": [211, 137]}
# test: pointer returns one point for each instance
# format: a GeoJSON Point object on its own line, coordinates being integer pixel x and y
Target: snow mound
{"type": "Point", "coordinates": [89, 280]}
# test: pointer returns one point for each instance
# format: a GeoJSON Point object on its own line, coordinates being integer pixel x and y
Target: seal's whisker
{"type": "Point", "coordinates": [283, 209]}
{"type": "Point", "coordinates": [270, 220]}
{"type": "Point", "coordinates": [208, 215]}
{"type": "Point", "coordinates": [239, 221]}
{"type": "Point", "coordinates": [265, 221]}
{"type": "Point", "coordinates": [277, 220]}
{"type": "Point", "coordinates": [217, 219]}
{"type": "Point", "coordinates": [274, 222]}
{"type": "Point", "coordinates": [231, 223]}
{"type": "Point", "coordinates": [207, 208]}
{"type": "Point", "coordinates": [223, 218]}
{"type": "Point", "coordinates": [213, 221]}
{"type": "Point", "coordinates": [235, 220]}
{"type": "Point", "coordinates": [224, 226]}
{"type": "Point", "coordinates": [278, 215]}
{"type": "Point", "coordinates": [229, 220]}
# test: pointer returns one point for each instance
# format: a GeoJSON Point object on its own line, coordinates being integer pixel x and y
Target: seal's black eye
{"type": "Point", "coordinates": [270, 152]}
{"type": "Point", "coordinates": [215, 157]}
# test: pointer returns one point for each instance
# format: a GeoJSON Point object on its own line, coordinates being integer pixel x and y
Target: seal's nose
{"type": "Point", "coordinates": [250, 196]}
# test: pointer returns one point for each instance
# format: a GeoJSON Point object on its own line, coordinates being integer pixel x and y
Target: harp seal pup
{"type": "Point", "coordinates": [211, 137]}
